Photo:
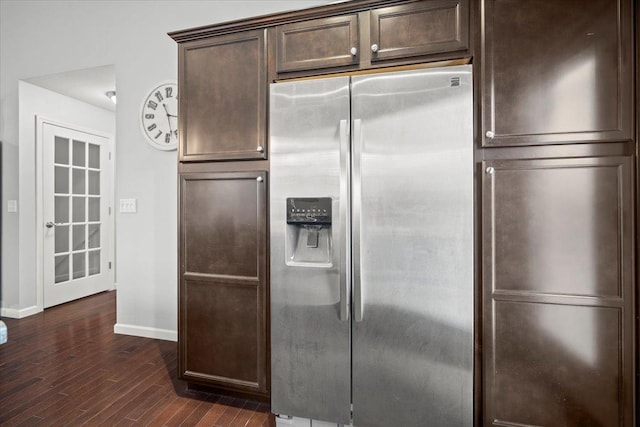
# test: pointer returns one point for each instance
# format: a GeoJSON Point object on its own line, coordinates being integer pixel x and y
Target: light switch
{"type": "Point", "coordinates": [128, 206]}
{"type": "Point", "coordinates": [12, 206]}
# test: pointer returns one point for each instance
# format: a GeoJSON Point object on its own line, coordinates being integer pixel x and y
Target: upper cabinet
{"type": "Point", "coordinates": [418, 29]}
{"type": "Point", "coordinates": [223, 97]}
{"type": "Point", "coordinates": [319, 43]}
{"type": "Point", "coordinates": [556, 72]}
{"type": "Point", "coordinates": [399, 34]}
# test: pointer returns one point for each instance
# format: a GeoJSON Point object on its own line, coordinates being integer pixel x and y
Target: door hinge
{"type": "Point", "coordinates": [109, 265]}
{"type": "Point", "coordinates": [109, 155]}
{"type": "Point", "coordinates": [109, 210]}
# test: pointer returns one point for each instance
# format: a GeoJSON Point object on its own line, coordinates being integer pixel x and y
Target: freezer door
{"type": "Point", "coordinates": [310, 330]}
{"type": "Point", "coordinates": [413, 248]}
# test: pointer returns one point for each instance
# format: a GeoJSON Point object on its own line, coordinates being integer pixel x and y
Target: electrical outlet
{"type": "Point", "coordinates": [128, 206]}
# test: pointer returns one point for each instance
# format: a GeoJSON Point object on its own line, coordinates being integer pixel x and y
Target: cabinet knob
{"type": "Point", "coordinates": [259, 179]}
{"type": "Point", "coordinates": [260, 149]}
{"type": "Point", "coordinates": [490, 170]}
{"type": "Point", "coordinates": [490, 134]}
{"type": "Point", "coordinates": [354, 51]}
{"type": "Point", "coordinates": [374, 48]}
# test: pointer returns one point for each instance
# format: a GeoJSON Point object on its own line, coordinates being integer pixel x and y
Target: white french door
{"type": "Point", "coordinates": [76, 224]}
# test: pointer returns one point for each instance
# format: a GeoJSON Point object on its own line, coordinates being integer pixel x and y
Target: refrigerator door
{"type": "Point", "coordinates": [310, 329]}
{"type": "Point", "coordinates": [413, 248]}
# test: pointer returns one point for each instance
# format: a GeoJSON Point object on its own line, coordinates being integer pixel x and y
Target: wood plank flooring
{"type": "Point", "coordinates": [65, 366]}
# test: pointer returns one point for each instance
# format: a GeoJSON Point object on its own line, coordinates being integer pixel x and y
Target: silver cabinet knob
{"type": "Point", "coordinates": [490, 134]}
{"type": "Point", "coordinates": [490, 170]}
{"type": "Point", "coordinates": [354, 51]}
{"type": "Point", "coordinates": [374, 48]}
{"type": "Point", "coordinates": [260, 149]}
{"type": "Point", "coordinates": [259, 179]}
{"type": "Point", "coordinates": [50, 224]}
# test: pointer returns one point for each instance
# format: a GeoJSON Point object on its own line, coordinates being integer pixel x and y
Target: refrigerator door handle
{"type": "Point", "coordinates": [356, 202]}
{"type": "Point", "coordinates": [345, 271]}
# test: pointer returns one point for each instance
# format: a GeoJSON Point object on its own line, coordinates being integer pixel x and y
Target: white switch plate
{"type": "Point", "coordinates": [12, 206]}
{"type": "Point", "coordinates": [128, 206]}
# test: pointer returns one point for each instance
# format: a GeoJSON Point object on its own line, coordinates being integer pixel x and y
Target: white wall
{"type": "Point", "coordinates": [39, 38]}
{"type": "Point", "coordinates": [36, 101]}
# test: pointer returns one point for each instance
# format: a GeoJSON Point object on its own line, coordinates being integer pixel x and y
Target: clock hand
{"type": "Point", "coordinates": [167, 111]}
{"type": "Point", "coordinates": [168, 115]}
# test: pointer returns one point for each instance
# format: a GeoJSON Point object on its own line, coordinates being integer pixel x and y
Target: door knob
{"type": "Point", "coordinates": [354, 51]}
{"type": "Point", "coordinates": [260, 149]}
{"type": "Point", "coordinates": [374, 48]}
{"type": "Point", "coordinates": [50, 224]}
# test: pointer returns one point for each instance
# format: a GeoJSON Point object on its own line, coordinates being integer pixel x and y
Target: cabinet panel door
{"type": "Point", "coordinates": [558, 292]}
{"type": "Point", "coordinates": [223, 104]}
{"type": "Point", "coordinates": [556, 71]}
{"type": "Point", "coordinates": [422, 28]}
{"type": "Point", "coordinates": [319, 43]}
{"type": "Point", "coordinates": [223, 324]}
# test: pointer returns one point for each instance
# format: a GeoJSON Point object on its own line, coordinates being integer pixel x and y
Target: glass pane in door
{"type": "Point", "coordinates": [62, 268]}
{"type": "Point", "coordinates": [94, 182]}
{"type": "Point", "coordinates": [61, 180]}
{"type": "Point", "coordinates": [78, 209]}
{"type": "Point", "coordinates": [79, 153]}
{"type": "Point", "coordinates": [79, 237]}
{"type": "Point", "coordinates": [78, 181]}
{"type": "Point", "coordinates": [79, 267]}
{"type": "Point", "coordinates": [94, 236]}
{"type": "Point", "coordinates": [94, 156]}
{"type": "Point", "coordinates": [62, 239]}
{"type": "Point", "coordinates": [61, 155]}
{"type": "Point", "coordinates": [94, 209]}
{"type": "Point", "coordinates": [61, 208]}
{"type": "Point", "coordinates": [94, 262]}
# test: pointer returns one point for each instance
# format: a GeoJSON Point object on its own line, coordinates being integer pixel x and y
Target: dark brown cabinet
{"type": "Point", "coordinates": [399, 34]}
{"type": "Point", "coordinates": [558, 291]}
{"type": "Point", "coordinates": [419, 29]}
{"type": "Point", "coordinates": [556, 71]}
{"type": "Point", "coordinates": [223, 97]}
{"type": "Point", "coordinates": [223, 325]}
{"type": "Point", "coordinates": [319, 43]}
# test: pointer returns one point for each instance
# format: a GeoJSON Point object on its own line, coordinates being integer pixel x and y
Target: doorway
{"type": "Point", "coordinates": [74, 100]}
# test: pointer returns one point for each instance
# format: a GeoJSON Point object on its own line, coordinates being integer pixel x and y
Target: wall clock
{"type": "Point", "coordinates": [159, 116]}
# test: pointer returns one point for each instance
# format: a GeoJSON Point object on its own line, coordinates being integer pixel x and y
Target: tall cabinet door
{"type": "Point", "coordinates": [223, 313]}
{"type": "Point", "coordinates": [412, 219]}
{"type": "Point", "coordinates": [558, 292]}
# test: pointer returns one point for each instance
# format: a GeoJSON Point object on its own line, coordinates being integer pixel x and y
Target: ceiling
{"type": "Point", "coordinates": [89, 85]}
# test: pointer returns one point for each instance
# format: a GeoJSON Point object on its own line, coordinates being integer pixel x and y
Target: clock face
{"type": "Point", "coordinates": [159, 117]}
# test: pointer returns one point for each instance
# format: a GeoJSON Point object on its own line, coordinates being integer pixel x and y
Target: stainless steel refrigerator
{"type": "Point", "coordinates": [371, 215]}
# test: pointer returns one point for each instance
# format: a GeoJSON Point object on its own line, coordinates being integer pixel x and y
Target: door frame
{"type": "Point", "coordinates": [41, 121]}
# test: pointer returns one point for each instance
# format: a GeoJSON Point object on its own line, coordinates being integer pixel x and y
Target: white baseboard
{"type": "Point", "coordinates": [146, 332]}
{"type": "Point", "coordinates": [15, 313]}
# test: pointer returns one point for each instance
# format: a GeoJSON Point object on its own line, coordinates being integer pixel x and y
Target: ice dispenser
{"type": "Point", "coordinates": [308, 236]}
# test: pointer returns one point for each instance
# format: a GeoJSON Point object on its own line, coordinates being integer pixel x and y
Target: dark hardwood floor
{"type": "Point", "coordinates": [65, 366]}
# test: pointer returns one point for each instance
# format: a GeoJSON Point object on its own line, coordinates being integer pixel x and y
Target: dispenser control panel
{"type": "Point", "coordinates": [309, 211]}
